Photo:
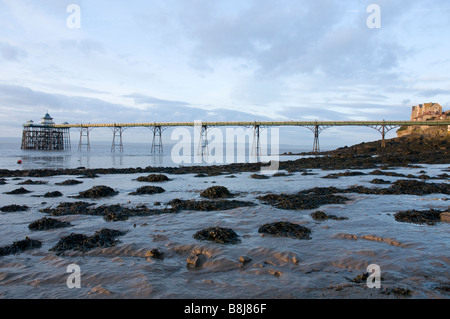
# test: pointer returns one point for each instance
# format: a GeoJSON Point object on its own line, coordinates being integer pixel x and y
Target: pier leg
{"type": "Point", "coordinates": [316, 147]}
{"type": "Point", "coordinates": [84, 131]}
{"type": "Point", "coordinates": [117, 130]}
{"type": "Point", "coordinates": [383, 129]}
{"type": "Point", "coordinates": [256, 147]}
{"type": "Point", "coordinates": [203, 145]}
{"type": "Point", "coordinates": [157, 146]}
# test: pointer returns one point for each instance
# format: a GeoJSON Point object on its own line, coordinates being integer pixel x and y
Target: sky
{"type": "Point", "coordinates": [222, 60]}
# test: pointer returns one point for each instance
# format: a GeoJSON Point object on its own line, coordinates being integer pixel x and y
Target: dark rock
{"type": "Point", "coordinates": [154, 253]}
{"type": "Point", "coordinates": [205, 205]}
{"type": "Point", "coordinates": [14, 208]}
{"type": "Point", "coordinates": [47, 223]}
{"type": "Point", "coordinates": [337, 175]}
{"type": "Point", "coordinates": [429, 217]}
{"type": "Point", "coordinates": [18, 191]}
{"type": "Point", "coordinates": [115, 212]}
{"type": "Point", "coordinates": [101, 238]}
{"type": "Point", "coordinates": [301, 201]}
{"type": "Point", "coordinates": [361, 278]}
{"type": "Point", "coordinates": [148, 190]}
{"type": "Point", "coordinates": [68, 208]}
{"type": "Point", "coordinates": [216, 192]}
{"type": "Point", "coordinates": [379, 172]}
{"type": "Point", "coordinates": [218, 235]}
{"type": "Point", "coordinates": [319, 215]}
{"type": "Point", "coordinates": [53, 194]}
{"type": "Point", "coordinates": [97, 191]}
{"type": "Point", "coordinates": [69, 182]}
{"type": "Point", "coordinates": [89, 174]}
{"type": "Point", "coordinates": [20, 246]}
{"type": "Point", "coordinates": [153, 178]}
{"type": "Point", "coordinates": [31, 182]}
{"type": "Point", "coordinates": [397, 291]}
{"type": "Point", "coordinates": [285, 229]}
{"type": "Point", "coordinates": [379, 181]}
{"type": "Point", "coordinates": [280, 174]}
{"type": "Point", "coordinates": [259, 176]}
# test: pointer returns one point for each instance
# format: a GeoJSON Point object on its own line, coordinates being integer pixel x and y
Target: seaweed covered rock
{"type": "Point", "coordinates": [20, 246]}
{"type": "Point", "coordinates": [97, 192]}
{"type": "Point", "coordinates": [31, 182]}
{"type": "Point", "coordinates": [101, 239]}
{"type": "Point", "coordinates": [68, 208]}
{"type": "Point", "coordinates": [285, 229]}
{"type": "Point", "coordinates": [360, 278]}
{"type": "Point", "coordinates": [114, 212]}
{"type": "Point", "coordinates": [18, 191]}
{"type": "Point", "coordinates": [301, 201]}
{"type": "Point", "coordinates": [14, 208]}
{"type": "Point", "coordinates": [53, 194]}
{"type": "Point", "coordinates": [414, 187]}
{"type": "Point", "coordinates": [153, 178]}
{"type": "Point", "coordinates": [349, 173]}
{"type": "Point", "coordinates": [429, 217]}
{"type": "Point", "coordinates": [205, 205]}
{"type": "Point", "coordinates": [47, 223]}
{"type": "Point", "coordinates": [69, 182]}
{"type": "Point", "coordinates": [259, 176]}
{"type": "Point", "coordinates": [216, 192]}
{"type": "Point", "coordinates": [218, 235]}
{"type": "Point", "coordinates": [148, 190]}
{"type": "Point", "coordinates": [319, 215]}
{"type": "Point", "coordinates": [154, 253]}
{"type": "Point", "coordinates": [379, 181]}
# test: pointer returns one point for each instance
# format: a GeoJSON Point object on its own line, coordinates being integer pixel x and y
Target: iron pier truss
{"type": "Point", "coordinates": [57, 137]}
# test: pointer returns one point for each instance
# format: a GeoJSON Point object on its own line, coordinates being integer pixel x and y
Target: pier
{"type": "Point", "coordinates": [50, 136]}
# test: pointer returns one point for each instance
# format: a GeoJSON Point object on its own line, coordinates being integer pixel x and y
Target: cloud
{"type": "Point", "coordinates": [433, 92]}
{"type": "Point", "coordinates": [11, 53]}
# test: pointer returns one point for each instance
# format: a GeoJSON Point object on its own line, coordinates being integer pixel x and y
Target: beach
{"type": "Point", "coordinates": [140, 235]}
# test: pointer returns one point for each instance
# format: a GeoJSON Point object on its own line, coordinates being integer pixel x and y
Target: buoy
{"type": "Point", "coordinates": [19, 162]}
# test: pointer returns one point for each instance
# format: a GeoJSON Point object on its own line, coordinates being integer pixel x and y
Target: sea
{"type": "Point", "coordinates": [103, 155]}
{"type": "Point", "coordinates": [412, 261]}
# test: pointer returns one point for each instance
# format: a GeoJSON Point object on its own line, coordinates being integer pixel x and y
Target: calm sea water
{"type": "Point", "coordinates": [133, 155]}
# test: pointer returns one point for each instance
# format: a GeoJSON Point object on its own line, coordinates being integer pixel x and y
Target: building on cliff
{"type": "Point", "coordinates": [426, 112]}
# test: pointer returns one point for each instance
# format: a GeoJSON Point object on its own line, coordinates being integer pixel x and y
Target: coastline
{"type": "Point", "coordinates": [398, 152]}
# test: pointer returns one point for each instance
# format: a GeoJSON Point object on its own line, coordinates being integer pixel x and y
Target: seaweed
{"type": "Point", "coordinates": [285, 229]}
{"type": "Point", "coordinates": [47, 223]}
{"type": "Point", "coordinates": [101, 239]}
{"type": "Point", "coordinates": [20, 246]}
{"type": "Point", "coordinates": [218, 235]}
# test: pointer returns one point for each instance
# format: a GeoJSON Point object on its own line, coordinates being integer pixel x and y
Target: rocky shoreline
{"type": "Point", "coordinates": [398, 152]}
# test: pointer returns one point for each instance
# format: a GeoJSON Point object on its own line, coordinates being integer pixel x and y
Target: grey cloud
{"type": "Point", "coordinates": [85, 46]}
{"type": "Point", "coordinates": [433, 92]}
{"type": "Point", "coordinates": [11, 53]}
{"type": "Point", "coordinates": [292, 37]}
{"type": "Point", "coordinates": [153, 101]}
